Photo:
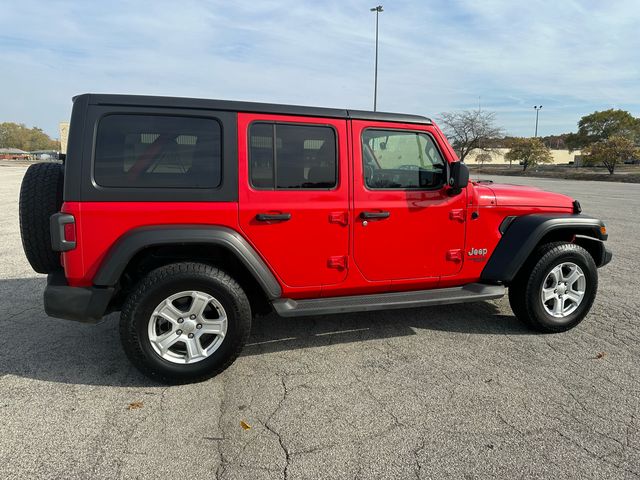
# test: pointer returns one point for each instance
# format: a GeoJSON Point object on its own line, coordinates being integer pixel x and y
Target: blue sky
{"type": "Point", "coordinates": [573, 57]}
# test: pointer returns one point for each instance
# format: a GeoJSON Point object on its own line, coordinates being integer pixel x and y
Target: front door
{"type": "Point", "coordinates": [294, 188]}
{"type": "Point", "coordinates": [406, 225]}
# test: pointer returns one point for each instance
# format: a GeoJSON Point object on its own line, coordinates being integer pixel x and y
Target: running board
{"type": "Point", "coordinates": [473, 292]}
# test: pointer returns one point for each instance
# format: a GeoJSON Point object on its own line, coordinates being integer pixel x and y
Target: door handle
{"type": "Point", "coordinates": [273, 217]}
{"type": "Point", "coordinates": [374, 215]}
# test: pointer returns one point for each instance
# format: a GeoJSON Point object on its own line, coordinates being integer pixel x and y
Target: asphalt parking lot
{"type": "Point", "coordinates": [446, 392]}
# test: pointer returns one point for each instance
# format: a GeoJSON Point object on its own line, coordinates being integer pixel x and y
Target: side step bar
{"type": "Point", "coordinates": [473, 292]}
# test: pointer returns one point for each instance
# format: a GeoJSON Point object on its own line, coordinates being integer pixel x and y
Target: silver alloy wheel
{"type": "Point", "coordinates": [563, 289]}
{"type": "Point", "coordinates": [187, 327]}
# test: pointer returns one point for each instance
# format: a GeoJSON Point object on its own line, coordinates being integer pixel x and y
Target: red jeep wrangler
{"type": "Point", "coordinates": [190, 216]}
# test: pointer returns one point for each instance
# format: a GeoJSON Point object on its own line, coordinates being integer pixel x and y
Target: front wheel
{"type": "Point", "coordinates": [185, 322]}
{"type": "Point", "coordinates": [556, 288]}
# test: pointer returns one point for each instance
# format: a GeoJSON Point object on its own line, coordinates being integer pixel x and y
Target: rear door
{"type": "Point", "coordinates": [294, 188]}
{"type": "Point", "coordinates": [407, 227]}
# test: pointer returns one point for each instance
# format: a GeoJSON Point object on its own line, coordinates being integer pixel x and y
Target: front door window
{"type": "Point", "coordinates": [401, 160]}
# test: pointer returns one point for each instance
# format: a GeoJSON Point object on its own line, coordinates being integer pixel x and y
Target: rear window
{"type": "Point", "coordinates": [154, 151]}
{"type": "Point", "coordinates": [302, 156]}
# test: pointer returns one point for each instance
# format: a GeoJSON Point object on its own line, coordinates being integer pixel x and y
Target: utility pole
{"type": "Point", "coordinates": [537, 109]}
{"type": "Point", "coordinates": [377, 9]}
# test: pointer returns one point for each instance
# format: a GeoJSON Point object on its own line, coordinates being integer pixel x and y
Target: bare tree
{"type": "Point", "coordinates": [470, 129]}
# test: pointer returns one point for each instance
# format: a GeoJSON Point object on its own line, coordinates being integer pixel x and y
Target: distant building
{"type": "Point", "coordinates": [560, 157]}
{"type": "Point", "coordinates": [45, 154]}
{"type": "Point", "coordinates": [64, 136]}
{"type": "Point", "coordinates": [13, 154]}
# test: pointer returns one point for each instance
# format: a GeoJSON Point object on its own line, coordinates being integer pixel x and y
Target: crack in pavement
{"type": "Point", "coordinates": [268, 426]}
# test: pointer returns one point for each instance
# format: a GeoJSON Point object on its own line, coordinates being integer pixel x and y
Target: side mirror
{"type": "Point", "coordinates": [458, 177]}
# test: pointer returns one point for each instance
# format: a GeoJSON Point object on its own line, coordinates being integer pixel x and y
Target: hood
{"type": "Point", "coordinates": [521, 196]}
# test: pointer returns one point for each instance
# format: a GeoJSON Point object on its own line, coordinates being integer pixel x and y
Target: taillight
{"type": "Point", "coordinates": [70, 232]}
{"type": "Point", "coordinates": [63, 232]}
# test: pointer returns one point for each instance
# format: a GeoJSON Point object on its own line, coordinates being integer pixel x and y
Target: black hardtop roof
{"type": "Point", "coordinates": [253, 107]}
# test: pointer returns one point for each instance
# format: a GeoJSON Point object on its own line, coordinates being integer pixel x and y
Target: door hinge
{"type": "Point", "coordinates": [338, 262]}
{"type": "Point", "coordinates": [341, 218]}
{"type": "Point", "coordinates": [454, 255]}
{"type": "Point", "coordinates": [457, 214]}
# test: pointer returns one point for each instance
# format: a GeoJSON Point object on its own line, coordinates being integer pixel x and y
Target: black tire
{"type": "Point", "coordinates": [525, 291]}
{"type": "Point", "coordinates": [40, 197]}
{"type": "Point", "coordinates": [161, 284]}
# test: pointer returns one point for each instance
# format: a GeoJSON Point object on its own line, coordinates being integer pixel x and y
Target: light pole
{"type": "Point", "coordinates": [537, 108]}
{"type": "Point", "coordinates": [377, 9]}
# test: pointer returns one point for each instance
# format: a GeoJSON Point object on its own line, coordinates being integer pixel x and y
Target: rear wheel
{"type": "Point", "coordinates": [185, 322]}
{"type": "Point", "coordinates": [554, 291]}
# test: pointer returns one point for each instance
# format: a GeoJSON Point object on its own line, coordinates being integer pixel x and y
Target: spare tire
{"type": "Point", "coordinates": [40, 197]}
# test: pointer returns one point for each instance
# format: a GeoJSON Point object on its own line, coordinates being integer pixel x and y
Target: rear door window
{"type": "Point", "coordinates": [158, 151]}
{"type": "Point", "coordinates": [302, 156]}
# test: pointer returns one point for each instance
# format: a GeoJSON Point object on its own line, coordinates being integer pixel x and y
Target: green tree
{"type": "Point", "coordinates": [470, 129]}
{"type": "Point", "coordinates": [529, 152]}
{"type": "Point", "coordinates": [14, 135]}
{"type": "Point", "coordinates": [484, 157]}
{"type": "Point", "coordinates": [600, 126]}
{"type": "Point", "coordinates": [610, 152]}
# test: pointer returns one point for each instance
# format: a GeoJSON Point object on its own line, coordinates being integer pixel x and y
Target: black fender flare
{"type": "Point", "coordinates": [522, 234]}
{"type": "Point", "coordinates": [132, 242]}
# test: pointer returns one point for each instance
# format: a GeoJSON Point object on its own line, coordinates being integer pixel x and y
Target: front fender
{"type": "Point", "coordinates": [524, 233]}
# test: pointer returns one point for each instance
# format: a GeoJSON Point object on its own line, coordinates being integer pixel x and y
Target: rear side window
{"type": "Point", "coordinates": [154, 151]}
{"type": "Point", "coordinates": [301, 157]}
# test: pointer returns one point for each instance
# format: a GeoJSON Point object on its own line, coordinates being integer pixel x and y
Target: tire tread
{"type": "Point", "coordinates": [130, 338]}
{"type": "Point", "coordinates": [521, 291]}
{"type": "Point", "coordinates": [40, 197]}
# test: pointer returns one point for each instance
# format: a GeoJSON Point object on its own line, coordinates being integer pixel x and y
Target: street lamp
{"type": "Point", "coordinates": [537, 108]}
{"type": "Point", "coordinates": [377, 9]}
